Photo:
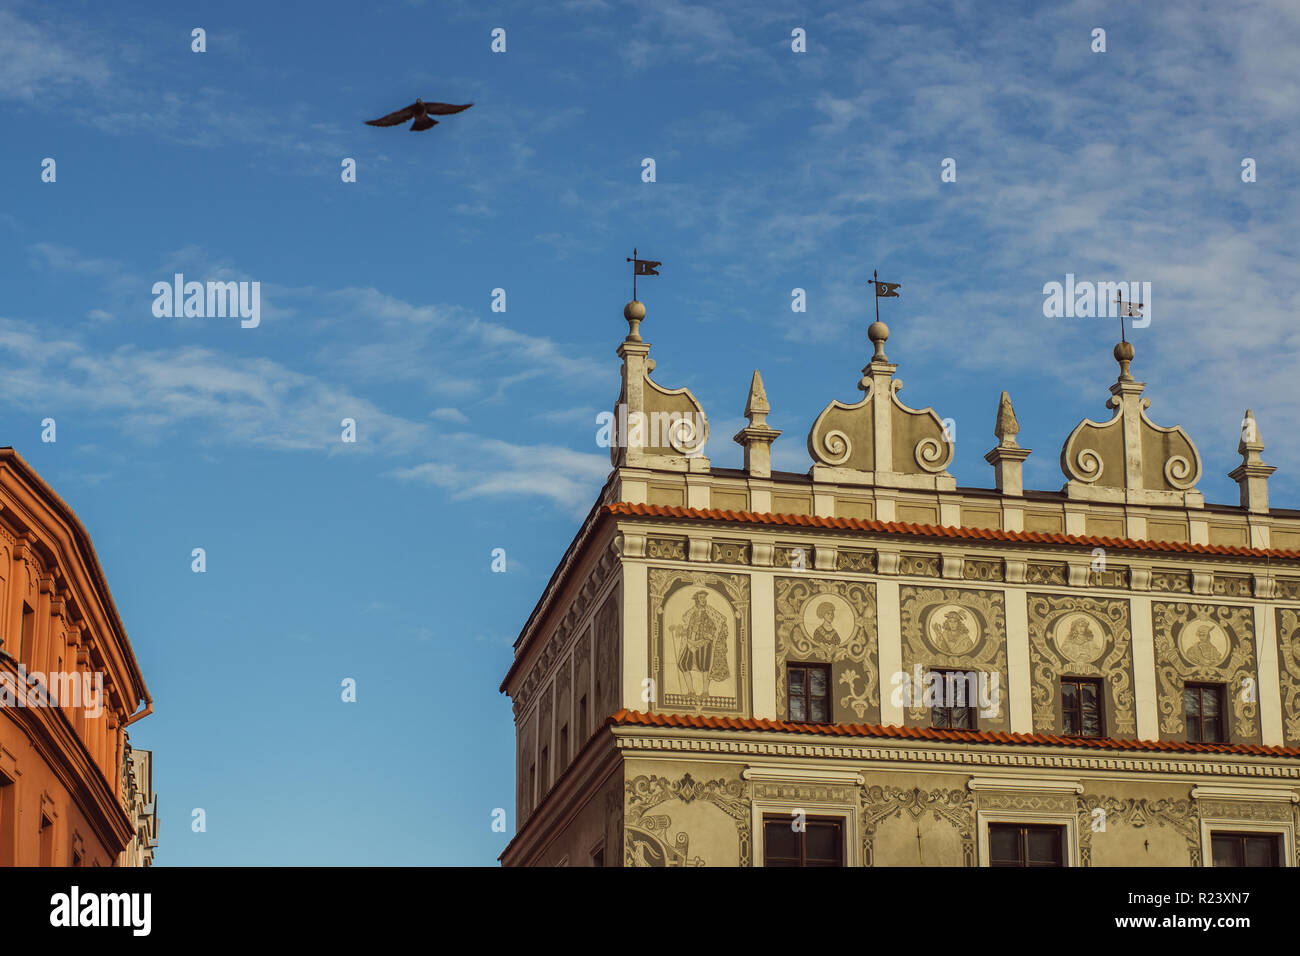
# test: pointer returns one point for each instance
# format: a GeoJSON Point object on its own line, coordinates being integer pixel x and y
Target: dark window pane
{"type": "Point", "coordinates": [797, 710]}
{"type": "Point", "coordinates": [1070, 722]}
{"type": "Point", "coordinates": [1227, 851]}
{"type": "Point", "coordinates": [796, 680]}
{"type": "Point", "coordinates": [1004, 842]}
{"type": "Point", "coordinates": [1209, 702]}
{"type": "Point", "coordinates": [1191, 702]}
{"type": "Point", "coordinates": [1090, 707]}
{"type": "Point", "coordinates": [817, 679]}
{"type": "Point", "coordinates": [818, 708]}
{"type": "Point", "coordinates": [823, 842]}
{"type": "Point", "coordinates": [1212, 732]}
{"type": "Point", "coordinates": [1069, 694]}
{"type": "Point", "coordinates": [957, 687]}
{"type": "Point", "coordinates": [1260, 851]}
{"type": "Point", "coordinates": [1044, 845]}
{"type": "Point", "coordinates": [780, 839]}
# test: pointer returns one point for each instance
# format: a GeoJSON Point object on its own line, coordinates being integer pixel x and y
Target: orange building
{"type": "Point", "coordinates": [69, 686]}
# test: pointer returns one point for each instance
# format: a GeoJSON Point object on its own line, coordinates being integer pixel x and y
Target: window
{"type": "Point", "coordinates": [582, 720]}
{"type": "Point", "coordinates": [8, 799]}
{"type": "Point", "coordinates": [820, 843]}
{"type": "Point", "coordinates": [25, 637]}
{"type": "Point", "coordinates": [1023, 844]}
{"type": "Point", "coordinates": [598, 855]}
{"type": "Point", "coordinates": [1246, 849]}
{"type": "Point", "coordinates": [47, 841]}
{"type": "Point", "coordinates": [808, 692]}
{"type": "Point", "coordinates": [1081, 707]}
{"type": "Point", "coordinates": [564, 746]}
{"type": "Point", "coordinates": [1203, 710]}
{"type": "Point", "coordinates": [958, 697]}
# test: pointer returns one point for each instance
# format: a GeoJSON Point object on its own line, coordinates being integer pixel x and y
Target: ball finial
{"type": "Point", "coordinates": [878, 332]}
{"type": "Point", "coordinates": [1124, 355]}
{"type": "Point", "coordinates": [634, 312]}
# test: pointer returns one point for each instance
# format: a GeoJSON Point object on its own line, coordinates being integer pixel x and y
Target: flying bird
{"type": "Point", "coordinates": [419, 111]}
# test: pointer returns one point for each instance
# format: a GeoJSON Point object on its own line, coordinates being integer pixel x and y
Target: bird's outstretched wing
{"type": "Point", "coordinates": [395, 119]}
{"type": "Point", "coordinates": [444, 109]}
{"type": "Point", "coordinates": [423, 122]}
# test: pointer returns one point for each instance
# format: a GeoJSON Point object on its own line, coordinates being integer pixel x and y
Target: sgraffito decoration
{"type": "Point", "coordinates": [699, 641]}
{"type": "Point", "coordinates": [648, 838]}
{"type": "Point", "coordinates": [833, 622]}
{"type": "Point", "coordinates": [1212, 643]}
{"type": "Point", "coordinates": [1081, 637]}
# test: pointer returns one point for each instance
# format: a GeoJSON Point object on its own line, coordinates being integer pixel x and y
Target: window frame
{"type": "Point", "coordinates": [1100, 686]}
{"type": "Point", "coordinates": [1219, 690]}
{"type": "Point", "coordinates": [808, 667]}
{"type": "Point", "coordinates": [1066, 819]}
{"type": "Point", "coordinates": [1023, 828]}
{"type": "Point", "coordinates": [972, 706]}
{"type": "Point", "coordinates": [1276, 837]}
{"type": "Point", "coordinates": [801, 835]}
{"type": "Point", "coordinates": [1224, 820]}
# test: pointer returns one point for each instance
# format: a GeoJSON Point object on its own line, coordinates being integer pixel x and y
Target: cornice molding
{"type": "Point", "coordinates": [742, 746]}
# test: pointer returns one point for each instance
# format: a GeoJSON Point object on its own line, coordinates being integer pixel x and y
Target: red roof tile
{"type": "Point", "coordinates": [628, 718]}
{"type": "Point", "coordinates": [937, 531]}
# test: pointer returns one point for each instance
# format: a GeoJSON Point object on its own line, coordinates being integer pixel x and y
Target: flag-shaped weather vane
{"type": "Point", "coordinates": [641, 267]}
{"type": "Point", "coordinates": [879, 332]}
{"type": "Point", "coordinates": [1127, 310]}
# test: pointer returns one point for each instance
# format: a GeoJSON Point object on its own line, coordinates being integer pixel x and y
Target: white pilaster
{"type": "Point", "coordinates": [636, 634]}
{"type": "Point", "coordinates": [1019, 676]}
{"type": "Point", "coordinates": [889, 633]}
{"type": "Point", "coordinates": [762, 650]}
{"type": "Point", "coordinates": [1144, 669]}
{"type": "Point", "coordinates": [1270, 689]}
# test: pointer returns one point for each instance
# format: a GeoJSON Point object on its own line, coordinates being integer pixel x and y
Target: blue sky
{"type": "Point", "coordinates": [476, 429]}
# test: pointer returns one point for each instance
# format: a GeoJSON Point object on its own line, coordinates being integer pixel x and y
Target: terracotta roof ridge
{"type": "Point", "coordinates": [943, 531]}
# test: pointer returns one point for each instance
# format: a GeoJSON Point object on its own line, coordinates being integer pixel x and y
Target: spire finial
{"type": "Point", "coordinates": [1006, 428]}
{"type": "Point", "coordinates": [1252, 474]}
{"type": "Point", "coordinates": [758, 435]}
{"type": "Point", "coordinates": [1251, 443]}
{"type": "Point", "coordinates": [756, 408]}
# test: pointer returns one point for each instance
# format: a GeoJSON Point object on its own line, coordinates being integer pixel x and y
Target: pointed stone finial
{"type": "Point", "coordinates": [1252, 474]}
{"type": "Point", "coordinates": [756, 408]}
{"type": "Point", "coordinates": [1006, 428]}
{"type": "Point", "coordinates": [758, 436]}
{"type": "Point", "coordinates": [1008, 458]}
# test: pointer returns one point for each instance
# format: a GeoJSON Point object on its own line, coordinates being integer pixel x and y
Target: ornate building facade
{"type": "Point", "coordinates": [869, 665]}
{"type": "Point", "coordinates": [69, 686]}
